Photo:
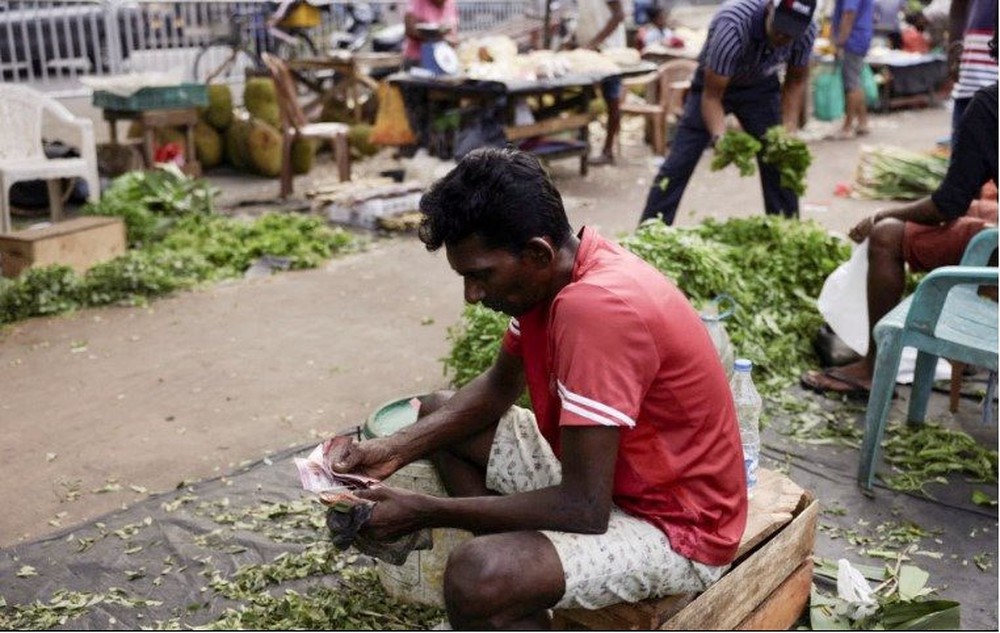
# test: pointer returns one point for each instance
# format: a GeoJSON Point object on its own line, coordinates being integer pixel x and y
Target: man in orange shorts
{"type": "Point", "coordinates": [924, 234]}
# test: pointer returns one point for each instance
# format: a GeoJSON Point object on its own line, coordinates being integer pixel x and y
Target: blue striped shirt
{"type": "Point", "coordinates": [737, 46]}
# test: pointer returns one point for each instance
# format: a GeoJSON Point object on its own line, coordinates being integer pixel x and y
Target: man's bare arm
{"type": "Point", "coordinates": [617, 17]}
{"type": "Point", "coordinates": [580, 503]}
{"type": "Point", "coordinates": [712, 111]}
{"type": "Point", "coordinates": [472, 409]}
{"type": "Point", "coordinates": [793, 96]}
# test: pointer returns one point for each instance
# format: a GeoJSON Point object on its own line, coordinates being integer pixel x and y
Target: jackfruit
{"type": "Point", "coordinates": [261, 100]}
{"type": "Point", "coordinates": [207, 145]}
{"type": "Point", "coordinates": [303, 154]}
{"type": "Point", "coordinates": [358, 137]}
{"type": "Point", "coordinates": [264, 148]}
{"type": "Point", "coordinates": [219, 112]}
{"type": "Point", "coordinates": [236, 143]}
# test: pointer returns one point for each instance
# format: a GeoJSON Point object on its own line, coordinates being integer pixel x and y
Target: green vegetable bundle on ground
{"type": "Point", "coordinates": [738, 148]}
{"type": "Point", "coordinates": [179, 242]}
{"type": "Point", "coordinates": [890, 173]}
{"type": "Point", "coordinates": [789, 156]}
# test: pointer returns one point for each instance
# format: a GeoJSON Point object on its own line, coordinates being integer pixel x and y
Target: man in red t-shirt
{"type": "Point", "coordinates": [627, 482]}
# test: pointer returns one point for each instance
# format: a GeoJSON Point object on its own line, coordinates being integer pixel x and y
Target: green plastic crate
{"type": "Point", "coordinates": [154, 98]}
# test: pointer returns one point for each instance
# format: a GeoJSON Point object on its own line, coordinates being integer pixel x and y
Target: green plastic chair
{"type": "Point", "coordinates": [946, 318]}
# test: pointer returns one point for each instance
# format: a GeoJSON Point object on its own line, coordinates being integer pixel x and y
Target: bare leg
{"type": "Point", "coordinates": [855, 104]}
{"type": "Point", "coordinates": [886, 282]}
{"type": "Point", "coordinates": [503, 581]}
{"type": "Point", "coordinates": [614, 125]}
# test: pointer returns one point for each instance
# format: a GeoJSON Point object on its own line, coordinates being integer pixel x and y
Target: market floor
{"type": "Point", "coordinates": [102, 407]}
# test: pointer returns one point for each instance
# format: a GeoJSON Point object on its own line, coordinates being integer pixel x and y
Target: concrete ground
{"type": "Point", "coordinates": [195, 384]}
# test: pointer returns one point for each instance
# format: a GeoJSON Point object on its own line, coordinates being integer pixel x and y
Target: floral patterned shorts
{"type": "Point", "coordinates": [632, 561]}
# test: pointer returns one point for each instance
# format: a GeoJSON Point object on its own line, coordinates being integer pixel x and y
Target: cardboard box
{"type": "Point", "coordinates": [80, 243]}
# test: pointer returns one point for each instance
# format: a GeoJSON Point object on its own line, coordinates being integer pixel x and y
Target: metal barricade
{"type": "Point", "coordinates": [50, 44]}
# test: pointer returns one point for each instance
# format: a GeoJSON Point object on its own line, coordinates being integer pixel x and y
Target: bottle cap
{"type": "Point", "coordinates": [742, 364]}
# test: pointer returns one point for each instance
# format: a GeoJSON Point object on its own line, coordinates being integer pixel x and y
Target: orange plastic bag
{"type": "Point", "coordinates": [391, 125]}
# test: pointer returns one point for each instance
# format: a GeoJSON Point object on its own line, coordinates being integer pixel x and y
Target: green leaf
{"type": "Point", "coordinates": [912, 581]}
{"type": "Point", "coordinates": [931, 615]}
{"type": "Point", "coordinates": [980, 498]}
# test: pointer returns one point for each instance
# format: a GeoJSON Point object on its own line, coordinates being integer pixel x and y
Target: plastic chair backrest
{"type": "Point", "coordinates": [980, 248]}
{"type": "Point", "coordinates": [670, 73]}
{"type": "Point", "coordinates": [21, 111]}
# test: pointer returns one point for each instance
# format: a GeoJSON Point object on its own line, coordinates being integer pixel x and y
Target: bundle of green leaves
{"type": "Point", "coordinates": [738, 148]}
{"type": "Point", "coordinates": [789, 155]}
{"type": "Point", "coordinates": [891, 173]}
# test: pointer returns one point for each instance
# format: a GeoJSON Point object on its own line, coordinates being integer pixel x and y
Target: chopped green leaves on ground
{"type": "Point", "coordinates": [924, 454]}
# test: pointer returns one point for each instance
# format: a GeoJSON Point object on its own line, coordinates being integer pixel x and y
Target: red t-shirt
{"type": "Point", "coordinates": [620, 345]}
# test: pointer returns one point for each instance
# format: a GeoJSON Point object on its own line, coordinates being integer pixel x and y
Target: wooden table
{"type": "Point", "coordinates": [151, 120]}
{"type": "Point", "coordinates": [343, 76]}
{"type": "Point", "coordinates": [564, 107]}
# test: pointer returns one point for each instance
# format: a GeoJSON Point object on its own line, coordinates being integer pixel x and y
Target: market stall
{"type": "Point", "coordinates": [538, 101]}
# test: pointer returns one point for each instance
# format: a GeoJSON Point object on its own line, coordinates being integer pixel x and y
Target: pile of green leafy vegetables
{"type": "Point", "coordinates": [774, 269]}
{"type": "Point", "coordinates": [176, 241]}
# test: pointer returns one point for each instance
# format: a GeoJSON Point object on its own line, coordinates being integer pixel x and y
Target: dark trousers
{"type": "Point", "coordinates": [757, 107]}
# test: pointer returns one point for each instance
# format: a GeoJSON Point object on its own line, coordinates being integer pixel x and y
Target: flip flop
{"type": "Point", "coordinates": [831, 382]}
{"type": "Point", "coordinates": [601, 159]}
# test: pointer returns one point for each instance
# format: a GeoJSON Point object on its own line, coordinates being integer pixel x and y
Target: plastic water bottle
{"type": "Point", "coordinates": [748, 407]}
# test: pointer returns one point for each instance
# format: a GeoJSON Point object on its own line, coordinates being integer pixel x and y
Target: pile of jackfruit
{"type": "Point", "coordinates": [249, 138]}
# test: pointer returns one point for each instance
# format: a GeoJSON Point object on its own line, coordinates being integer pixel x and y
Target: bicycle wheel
{"type": "Point", "coordinates": [220, 61]}
{"type": "Point", "coordinates": [295, 45]}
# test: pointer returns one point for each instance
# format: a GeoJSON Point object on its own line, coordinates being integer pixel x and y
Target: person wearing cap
{"type": "Point", "coordinates": [748, 42]}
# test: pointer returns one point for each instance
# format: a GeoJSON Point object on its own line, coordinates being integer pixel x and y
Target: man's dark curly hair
{"type": "Point", "coordinates": [502, 195]}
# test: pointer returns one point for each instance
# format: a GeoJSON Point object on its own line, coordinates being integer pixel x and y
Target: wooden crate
{"type": "Point", "coordinates": [79, 243]}
{"type": "Point", "coordinates": [766, 589]}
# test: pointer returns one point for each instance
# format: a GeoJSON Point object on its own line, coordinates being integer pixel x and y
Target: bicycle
{"type": "Point", "coordinates": [227, 58]}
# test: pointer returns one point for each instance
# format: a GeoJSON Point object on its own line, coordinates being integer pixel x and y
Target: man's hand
{"type": "Point", "coordinates": [863, 229]}
{"type": "Point", "coordinates": [397, 512]}
{"type": "Point", "coordinates": [374, 458]}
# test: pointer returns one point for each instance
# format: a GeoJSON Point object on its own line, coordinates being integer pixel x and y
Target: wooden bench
{"type": "Point", "coordinates": [766, 588]}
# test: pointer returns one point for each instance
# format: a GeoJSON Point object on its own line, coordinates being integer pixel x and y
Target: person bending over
{"type": "Point", "coordinates": [627, 480]}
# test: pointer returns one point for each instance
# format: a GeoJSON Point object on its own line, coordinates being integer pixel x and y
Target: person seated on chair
{"type": "Point", "coordinates": [657, 32]}
{"type": "Point", "coordinates": [627, 481]}
{"type": "Point", "coordinates": [925, 234]}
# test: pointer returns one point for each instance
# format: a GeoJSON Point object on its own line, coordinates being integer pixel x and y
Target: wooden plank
{"type": "Point", "coordinates": [79, 243]}
{"type": "Point", "coordinates": [773, 504]}
{"type": "Point", "coordinates": [639, 616]}
{"type": "Point", "coordinates": [731, 600]}
{"type": "Point", "coordinates": [548, 126]}
{"type": "Point", "coordinates": [782, 608]}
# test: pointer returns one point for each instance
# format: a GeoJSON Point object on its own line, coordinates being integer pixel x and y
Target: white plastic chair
{"type": "Point", "coordinates": [22, 114]}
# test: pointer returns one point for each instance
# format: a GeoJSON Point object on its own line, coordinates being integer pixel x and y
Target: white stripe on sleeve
{"type": "Point", "coordinates": [592, 409]}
